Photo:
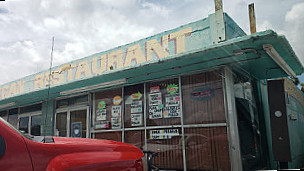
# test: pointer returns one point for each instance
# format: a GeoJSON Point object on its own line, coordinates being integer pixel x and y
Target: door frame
{"type": "Point", "coordinates": [70, 109]}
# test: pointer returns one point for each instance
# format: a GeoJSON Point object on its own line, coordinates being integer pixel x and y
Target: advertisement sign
{"type": "Point", "coordinates": [101, 124]}
{"type": "Point", "coordinates": [116, 111]}
{"type": "Point", "coordinates": [136, 107]}
{"type": "Point", "coordinates": [172, 99]}
{"type": "Point", "coordinates": [172, 111]}
{"type": "Point", "coordinates": [101, 114]}
{"type": "Point", "coordinates": [136, 119]}
{"type": "Point", "coordinates": [155, 112]}
{"type": "Point", "coordinates": [136, 96]}
{"type": "Point", "coordinates": [155, 89]}
{"type": "Point", "coordinates": [101, 105]}
{"type": "Point", "coordinates": [76, 129]}
{"type": "Point", "coordinates": [163, 134]}
{"type": "Point", "coordinates": [117, 100]}
{"type": "Point", "coordinates": [200, 94]}
{"type": "Point", "coordinates": [155, 99]}
{"type": "Point", "coordinates": [172, 88]}
{"type": "Point", "coordinates": [116, 123]}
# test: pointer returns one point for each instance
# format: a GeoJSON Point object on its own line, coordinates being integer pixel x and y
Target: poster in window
{"type": "Point", "coordinates": [76, 130]}
{"type": "Point", "coordinates": [136, 107]}
{"type": "Point", "coordinates": [136, 119]}
{"type": "Point", "coordinates": [116, 123]}
{"type": "Point", "coordinates": [172, 111]}
{"type": "Point", "coordinates": [155, 99]}
{"type": "Point", "coordinates": [172, 99]}
{"type": "Point", "coordinates": [155, 89]}
{"type": "Point", "coordinates": [155, 112]}
{"type": "Point", "coordinates": [101, 114]}
{"type": "Point", "coordinates": [163, 134]}
{"type": "Point", "coordinates": [116, 111]}
{"type": "Point", "coordinates": [101, 124]}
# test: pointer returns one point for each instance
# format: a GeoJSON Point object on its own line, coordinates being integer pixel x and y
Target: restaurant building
{"type": "Point", "coordinates": [205, 96]}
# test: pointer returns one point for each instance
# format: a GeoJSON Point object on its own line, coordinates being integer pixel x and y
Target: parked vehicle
{"type": "Point", "coordinates": [23, 152]}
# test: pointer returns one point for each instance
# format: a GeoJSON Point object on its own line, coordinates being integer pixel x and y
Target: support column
{"type": "Point", "coordinates": [47, 120]}
{"type": "Point", "coordinates": [232, 125]}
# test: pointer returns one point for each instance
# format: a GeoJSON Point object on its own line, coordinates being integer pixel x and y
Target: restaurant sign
{"type": "Point", "coordinates": [145, 51]}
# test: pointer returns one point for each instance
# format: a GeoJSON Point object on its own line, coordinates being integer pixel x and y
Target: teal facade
{"type": "Point", "coordinates": [190, 48]}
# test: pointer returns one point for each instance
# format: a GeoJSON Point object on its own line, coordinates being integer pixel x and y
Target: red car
{"type": "Point", "coordinates": [20, 152]}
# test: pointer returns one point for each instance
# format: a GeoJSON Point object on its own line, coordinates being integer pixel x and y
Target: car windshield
{"type": "Point", "coordinates": [8, 124]}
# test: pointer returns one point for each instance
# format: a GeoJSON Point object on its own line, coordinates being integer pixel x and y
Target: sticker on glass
{"type": "Point", "coordinates": [155, 112]}
{"type": "Point", "coordinates": [136, 96]}
{"type": "Point", "coordinates": [136, 107]}
{"type": "Point", "coordinates": [136, 119]}
{"type": "Point", "coordinates": [117, 100]}
{"type": "Point", "coordinates": [101, 114]}
{"type": "Point", "coordinates": [163, 134]}
{"type": "Point", "coordinates": [76, 129]}
{"type": "Point", "coordinates": [116, 111]}
{"type": "Point", "coordinates": [101, 105]}
{"type": "Point", "coordinates": [172, 88]}
{"type": "Point", "coordinates": [155, 89]}
{"type": "Point", "coordinates": [116, 123]}
{"type": "Point", "coordinates": [172, 99]}
{"type": "Point", "coordinates": [101, 124]}
{"type": "Point", "coordinates": [155, 99]}
{"type": "Point", "coordinates": [172, 111]}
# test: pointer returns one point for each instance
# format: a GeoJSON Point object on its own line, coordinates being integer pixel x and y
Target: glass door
{"type": "Point", "coordinates": [72, 123]}
{"type": "Point", "coordinates": [78, 123]}
{"type": "Point", "coordinates": [61, 124]}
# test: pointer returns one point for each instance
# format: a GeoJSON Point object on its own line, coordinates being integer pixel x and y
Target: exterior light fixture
{"type": "Point", "coordinates": [8, 105]}
{"type": "Point", "coordinates": [278, 59]}
{"type": "Point", "coordinates": [93, 87]}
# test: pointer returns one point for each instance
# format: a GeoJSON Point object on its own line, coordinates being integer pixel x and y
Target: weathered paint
{"type": "Point", "coordinates": [295, 112]}
{"type": "Point", "coordinates": [163, 45]}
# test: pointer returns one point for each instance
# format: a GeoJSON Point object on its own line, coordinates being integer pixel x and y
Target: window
{"type": "Point", "coordinates": [108, 114]}
{"type": "Point", "coordinates": [30, 123]}
{"type": "Point", "coordinates": [163, 103]}
{"type": "Point", "coordinates": [13, 117]}
{"type": "Point", "coordinates": [3, 114]}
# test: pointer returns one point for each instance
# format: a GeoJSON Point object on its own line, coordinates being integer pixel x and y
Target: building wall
{"type": "Point", "coordinates": [295, 112]}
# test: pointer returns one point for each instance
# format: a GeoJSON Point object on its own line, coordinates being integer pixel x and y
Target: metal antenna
{"type": "Point", "coordinates": [49, 88]}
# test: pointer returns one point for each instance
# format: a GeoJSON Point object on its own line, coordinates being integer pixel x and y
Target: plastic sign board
{"type": "Point", "coordinates": [76, 129]}
{"type": "Point", "coordinates": [163, 134]}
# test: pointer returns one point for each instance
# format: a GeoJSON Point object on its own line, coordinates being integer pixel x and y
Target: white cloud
{"type": "Point", "coordinates": [82, 28]}
{"type": "Point", "coordinates": [52, 23]}
{"type": "Point", "coordinates": [294, 29]}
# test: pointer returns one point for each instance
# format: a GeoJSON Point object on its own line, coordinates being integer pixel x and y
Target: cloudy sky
{"type": "Point", "coordinates": [84, 27]}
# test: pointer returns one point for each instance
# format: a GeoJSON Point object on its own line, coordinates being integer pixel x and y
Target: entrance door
{"type": "Point", "coordinates": [72, 123]}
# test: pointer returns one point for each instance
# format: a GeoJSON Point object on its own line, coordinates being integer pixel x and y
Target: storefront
{"type": "Point", "coordinates": [196, 94]}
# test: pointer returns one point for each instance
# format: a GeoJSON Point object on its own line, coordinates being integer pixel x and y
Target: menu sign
{"type": "Point", "coordinates": [136, 107]}
{"type": "Point", "coordinates": [172, 99]}
{"type": "Point", "coordinates": [155, 99]}
{"type": "Point", "coordinates": [172, 111]}
{"type": "Point", "coordinates": [155, 112]}
{"type": "Point", "coordinates": [136, 119]}
{"type": "Point", "coordinates": [116, 111]}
